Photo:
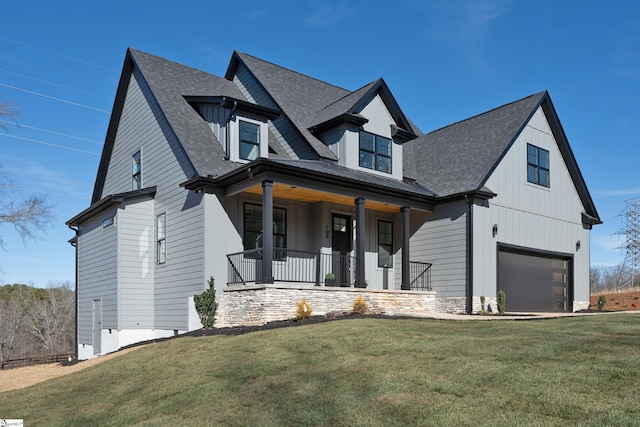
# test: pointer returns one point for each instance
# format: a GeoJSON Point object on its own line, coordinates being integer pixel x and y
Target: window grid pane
{"type": "Point", "coordinates": [253, 228]}
{"type": "Point", "coordinates": [538, 166]}
{"type": "Point", "coordinates": [375, 152]}
{"type": "Point", "coordinates": [161, 241]}
{"type": "Point", "coordinates": [385, 244]}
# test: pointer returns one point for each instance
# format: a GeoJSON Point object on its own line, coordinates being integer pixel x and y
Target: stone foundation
{"type": "Point", "coordinates": [260, 304]}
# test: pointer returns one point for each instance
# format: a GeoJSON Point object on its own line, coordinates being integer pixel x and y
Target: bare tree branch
{"type": "Point", "coordinates": [8, 110]}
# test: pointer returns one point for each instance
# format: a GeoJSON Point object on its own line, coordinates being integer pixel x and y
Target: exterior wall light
{"type": "Point", "coordinates": [578, 245]}
{"type": "Point", "coordinates": [495, 230]}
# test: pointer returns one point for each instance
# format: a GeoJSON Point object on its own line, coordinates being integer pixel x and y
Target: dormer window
{"type": "Point", "coordinates": [375, 152]}
{"type": "Point", "coordinates": [249, 140]}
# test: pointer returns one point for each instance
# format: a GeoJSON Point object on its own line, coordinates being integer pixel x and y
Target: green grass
{"type": "Point", "coordinates": [373, 372]}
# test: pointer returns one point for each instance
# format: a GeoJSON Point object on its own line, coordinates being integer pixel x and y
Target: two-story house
{"type": "Point", "coordinates": [281, 186]}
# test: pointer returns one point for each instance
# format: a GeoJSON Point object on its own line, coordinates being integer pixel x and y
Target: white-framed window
{"type": "Point", "coordinates": [375, 152]}
{"type": "Point", "coordinates": [109, 221]}
{"type": "Point", "coordinates": [249, 140]}
{"type": "Point", "coordinates": [136, 171]}
{"type": "Point", "coordinates": [161, 239]}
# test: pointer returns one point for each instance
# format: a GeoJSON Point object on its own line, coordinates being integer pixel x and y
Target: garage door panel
{"type": "Point", "coordinates": [533, 282]}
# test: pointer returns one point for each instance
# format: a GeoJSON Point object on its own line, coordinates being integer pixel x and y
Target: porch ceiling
{"type": "Point", "coordinates": [307, 195]}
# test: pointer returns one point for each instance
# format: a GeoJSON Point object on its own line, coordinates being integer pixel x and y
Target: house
{"type": "Point", "coordinates": [282, 187]}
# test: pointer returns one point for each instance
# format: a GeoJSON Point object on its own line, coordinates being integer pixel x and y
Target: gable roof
{"type": "Point", "coordinates": [461, 157]}
{"type": "Point", "coordinates": [170, 84]}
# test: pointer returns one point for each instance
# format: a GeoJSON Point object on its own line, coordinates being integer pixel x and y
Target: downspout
{"type": "Point", "coordinates": [75, 245]}
{"type": "Point", "coordinates": [469, 266]}
{"type": "Point", "coordinates": [227, 143]}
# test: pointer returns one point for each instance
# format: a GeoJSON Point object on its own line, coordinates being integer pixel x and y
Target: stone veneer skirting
{"type": "Point", "coordinates": [252, 305]}
{"type": "Point", "coordinates": [260, 304]}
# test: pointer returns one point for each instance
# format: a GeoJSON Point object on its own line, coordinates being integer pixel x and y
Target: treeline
{"type": "Point", "coordinates": [607, 278]}
{"type": "Point", "coordinates": [36, 321]}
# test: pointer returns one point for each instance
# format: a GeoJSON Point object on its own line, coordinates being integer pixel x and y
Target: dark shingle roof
{"type": "Point", "coordinates": [170, 82]}
{"type": "Point", "coordinates": [460, 157]}
{"type": "Point", "coordinates": [299, 96]}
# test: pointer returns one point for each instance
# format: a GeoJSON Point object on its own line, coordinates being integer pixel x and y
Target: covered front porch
{"type": "Point", "coordinates": [321, 224]}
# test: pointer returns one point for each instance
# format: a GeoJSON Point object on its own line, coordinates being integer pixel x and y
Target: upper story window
{"type": "Point", "coordinates": [136, 171]}
{"type": "Point", "coordinates": [249, 140]}
{"type": "Point", "coordinates": [375, 152]}
{"type": "Point", "coordinates": [537, 165]}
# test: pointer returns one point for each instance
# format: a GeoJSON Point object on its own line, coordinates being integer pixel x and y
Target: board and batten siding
{"type": "Point", "coordinates": [288, 137]}
{"type": "Point", "coordinates": [530, 215]}
{"type": "Point", "coordinates": [164, 165]}
{"type": "Point", "coordinates": [440, 238]}
{"type": "Point", "coordinates": [97, 274]}
{"type": "Point", "coordinates": [136, 262]}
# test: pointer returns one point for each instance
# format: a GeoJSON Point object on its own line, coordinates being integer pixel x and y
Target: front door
{"type": "Point", "coordinates": [341, 239]}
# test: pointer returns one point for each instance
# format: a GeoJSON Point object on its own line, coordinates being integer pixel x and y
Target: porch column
{"type": "Point", "coordinates": [406, 284]}
{"type": "Point", "coordinates": [267, 231]}
{"type": "Point", "coordinates": [360, 238]}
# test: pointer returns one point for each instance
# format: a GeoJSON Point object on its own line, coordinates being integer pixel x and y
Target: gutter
{"type": "Point", "coordinates": [469, 263]}
{"type": "Point", "coordinates": [74, 243]}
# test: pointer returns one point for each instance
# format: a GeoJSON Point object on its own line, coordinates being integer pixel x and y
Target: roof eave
{"type": "Point", "coordinates": [108, 202]}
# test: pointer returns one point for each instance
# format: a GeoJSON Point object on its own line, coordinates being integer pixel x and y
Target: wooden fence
{"type": "Point", "coordinates": [31, 361]}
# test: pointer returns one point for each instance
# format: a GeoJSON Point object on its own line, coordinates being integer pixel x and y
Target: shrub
{"type": "Point", "coordinates": [360, 305]}
{"type": "Point", "coordinates": [304, 310]}
{"type": "Point", "coordinates": [502, 301]}
{"type": "Point", "coordinates": [602, 300]}
{"type": "Point", "coordinates": [206, 305]}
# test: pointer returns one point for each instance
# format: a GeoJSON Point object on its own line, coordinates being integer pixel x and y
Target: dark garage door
{"type": "Point", "coordinates": [535, 281]}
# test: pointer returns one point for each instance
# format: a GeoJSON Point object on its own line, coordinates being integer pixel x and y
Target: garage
{"type": "Point", "coordinates": [535, 281]}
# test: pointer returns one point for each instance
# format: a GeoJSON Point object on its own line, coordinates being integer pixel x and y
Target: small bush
{"type": "Point", "coordinates": [206, 305]}
{"type": "Point", "coordinates": [304, 310]}
{"type": "Point", "coordinates": [360, 305]}
{"type": "Point", "coordinates": [502, 301]}
{"type": "Point", "coordinates": [602, 300]}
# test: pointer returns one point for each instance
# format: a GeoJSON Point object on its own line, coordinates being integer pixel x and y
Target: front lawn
{"type": "Point", "coordinates": [374, 372]}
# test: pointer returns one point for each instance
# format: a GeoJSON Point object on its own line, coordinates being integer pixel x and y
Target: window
{"type": "Point", "coordinates": [161, 241]}
{"type": "Point", "coordinates": [108, 222]}
{"type": "Point", "coordinates": [537, 165]}
{"type": "Point", "coordinates": [375, 152]}
{"type": "Point", "coordinates": [136, 171]}
{"type": "Point", "coordinates": [253, 229]}
{"type": "Point", "coordinates": [249, 140]}
{"type": "Point", "coordinates": [385, 244]}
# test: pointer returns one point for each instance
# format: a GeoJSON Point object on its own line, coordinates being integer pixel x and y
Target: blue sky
{"type": "Point", "coordinates": [443, 60]}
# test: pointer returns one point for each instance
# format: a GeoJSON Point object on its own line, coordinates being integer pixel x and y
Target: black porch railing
{"type": "Point", "coordinates": [294, 266]}
{"type": "Point", "coordinates": [420, 276]}
{"type": "Point", "coordinates": [290, 265]}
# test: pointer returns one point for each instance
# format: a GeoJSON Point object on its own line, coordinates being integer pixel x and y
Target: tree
{"type": "Point", "coordinates": [28, 216]}
{"type": "Point", "coordinates": [52, 319]}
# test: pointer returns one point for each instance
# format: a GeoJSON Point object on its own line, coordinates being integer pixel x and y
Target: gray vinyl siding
{"type": "Point", "coordinates": [441, 239]}
{"type": "Point", "coordinates": [164, 165]}
{"type": "Point", "coordinates": [136, 261]}
{"type": "Point", "coordinates": [290, 140]}
{"type": "Point", "coordinates": [528, 215]}
{"type": "Point", "coordinates": [97, 274]}
{"type": "Point", "coordinates": [216, 117]}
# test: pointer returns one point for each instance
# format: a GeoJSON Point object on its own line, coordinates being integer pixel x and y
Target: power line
{"type": "Point", "coordinates": [59, 54]}
{"type": "Point", "coordinates": [20, 125]}
{"type": "Point", "coordinates": [54, 84]}
{"type": "Point", "coordinates": [64, 147]}
{"type": "Point", "coordinates": [55, 99]}
{"type": "Point", "coordinates": [13, 187]}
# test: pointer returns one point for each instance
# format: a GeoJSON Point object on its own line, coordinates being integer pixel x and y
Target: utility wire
{"type": "Point", "coordinates": [20, 125]}
{"type": "Point", "coordinates": [55, 99]}
{"type": "Point", "coordinates": [55, 84]}
{"type": "Point", "coordinates": [59, 54]}
{"type": "Point", "coordinates": [13, 187]}
{"type": "Point", "coordinates": [64, 147]}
